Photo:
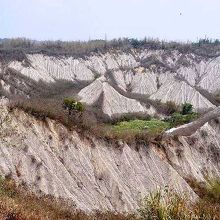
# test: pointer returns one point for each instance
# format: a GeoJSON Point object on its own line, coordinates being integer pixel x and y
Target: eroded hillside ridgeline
{"type": "Point", "coordinates": [39, 150]}
{"type": "Point", "coordinates": [118, 81]}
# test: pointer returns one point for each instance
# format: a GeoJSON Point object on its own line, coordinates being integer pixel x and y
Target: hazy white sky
{"type": "Point", "coordinates": [84, 19]}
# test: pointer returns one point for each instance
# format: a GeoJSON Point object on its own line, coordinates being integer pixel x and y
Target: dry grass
{"type": "Point", "coordinates": [169, 205]}
{"type": "Point", "coordinates": [17, 204]}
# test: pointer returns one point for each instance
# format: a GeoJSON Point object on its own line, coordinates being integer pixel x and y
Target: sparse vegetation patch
{"type": "Point", "coordinates": [152, 126]}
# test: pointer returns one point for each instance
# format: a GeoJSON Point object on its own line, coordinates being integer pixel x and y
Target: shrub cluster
{"type": "Point", "coordinates": [184, 116]}
{"type": "Point", "coordinates": [72, 105]}
{"type": "Point", "coordinates": [179, 119]}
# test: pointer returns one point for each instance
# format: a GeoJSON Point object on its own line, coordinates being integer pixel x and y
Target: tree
{"type": "Point", "coordinates": [72, 105]}
{"type": "Point", "coordinates": [187, 108]}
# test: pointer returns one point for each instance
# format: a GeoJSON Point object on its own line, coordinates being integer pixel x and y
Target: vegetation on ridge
{"type": "Point", "coordinates": [151, 126]}
{"type": "Point", "coordinates": [128, 128]}
{"type": "Point", "coordinates": [72, 105]}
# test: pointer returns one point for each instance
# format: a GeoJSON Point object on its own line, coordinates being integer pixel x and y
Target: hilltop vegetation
{"type": "Point", "coordinates": [204, 47]}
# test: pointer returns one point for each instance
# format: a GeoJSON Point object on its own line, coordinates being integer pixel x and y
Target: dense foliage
{"type": "Point", "coordinates": [187, 108]}
{"type": "Point", "coordinates": [184, 116]}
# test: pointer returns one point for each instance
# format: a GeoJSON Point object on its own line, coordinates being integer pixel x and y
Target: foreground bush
{"type": "Point", "coordinates": [169, 205]}
{"type": "Point", "coordinates": [164, 205]}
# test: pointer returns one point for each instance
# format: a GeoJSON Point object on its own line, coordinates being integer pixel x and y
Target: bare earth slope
{"type": "Point", "coordinates": [95, 174]}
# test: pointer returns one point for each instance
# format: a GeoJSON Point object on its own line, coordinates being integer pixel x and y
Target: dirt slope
{"type": "Point", "coordinates": [96, 174]}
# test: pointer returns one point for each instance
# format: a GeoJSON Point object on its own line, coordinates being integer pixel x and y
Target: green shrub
{"type": "Point", "coordinates": [187, 108]}
{"type": "Point", "coordinates": [72, 105]}
{"type": "Point", "coordinates": [180, 119]}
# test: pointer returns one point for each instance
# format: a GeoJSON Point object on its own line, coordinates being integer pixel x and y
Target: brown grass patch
{"type": "Point", "coordinates": [16, 203]}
